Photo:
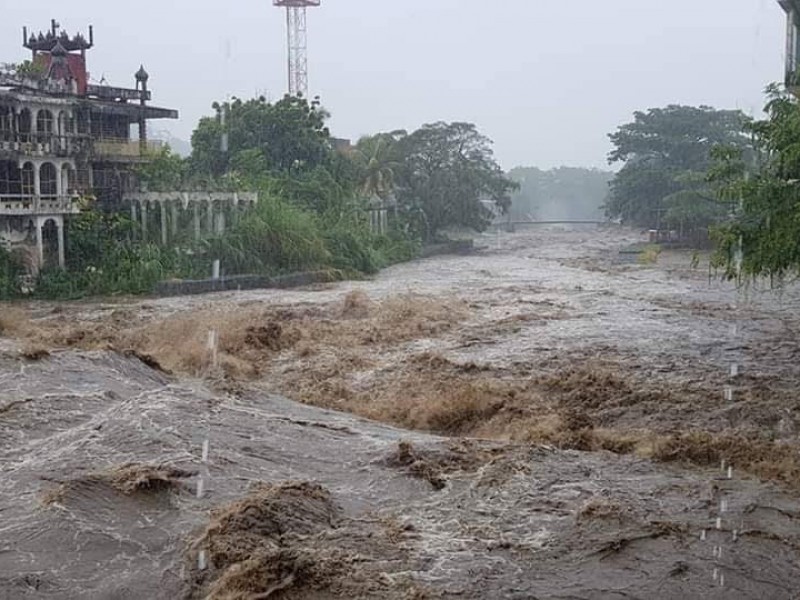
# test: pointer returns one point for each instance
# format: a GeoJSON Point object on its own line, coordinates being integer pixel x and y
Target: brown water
{"type": "Point", "coordinates": [508, 345]}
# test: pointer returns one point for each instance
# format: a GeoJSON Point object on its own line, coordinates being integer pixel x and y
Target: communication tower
{"type": "Point", "coordinates": [297, 42]}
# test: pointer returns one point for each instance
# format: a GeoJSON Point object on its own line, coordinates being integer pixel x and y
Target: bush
{"type": "Point", "coordinates": [10, 273]}
{"type": "Point", "coordinates": [272, 237]}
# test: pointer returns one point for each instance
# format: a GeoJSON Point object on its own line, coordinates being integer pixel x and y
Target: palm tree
{"type": "Point", "coordinates": [376, 155]}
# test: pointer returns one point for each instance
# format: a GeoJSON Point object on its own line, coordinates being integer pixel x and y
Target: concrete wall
{"type": "Point", "coordinates": [245, 282]}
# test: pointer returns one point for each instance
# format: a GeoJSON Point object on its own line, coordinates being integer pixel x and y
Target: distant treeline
{"type": "Point", "coordinates": [561, 194]}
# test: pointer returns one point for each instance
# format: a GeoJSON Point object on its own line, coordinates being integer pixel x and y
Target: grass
{"type": "Point", "coordinates": [650, 255]}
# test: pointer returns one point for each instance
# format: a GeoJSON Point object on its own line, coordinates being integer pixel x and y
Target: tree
{"type": "Point", "coordinates": [290, 134]}
{"type": "Point", "coordinates": [764, 236]}
{"type": "Point", "coordinates": [162, 171]}
{"type": "Point", "coordinates": [377, 158]}
{"type": "Point", "coordinates": [447, 172]}
{"type": "Point", "coordinates": [666, 152]}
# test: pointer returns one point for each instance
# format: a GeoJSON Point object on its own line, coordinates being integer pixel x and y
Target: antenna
{"type": "Point", "coordinates": [297, 42]}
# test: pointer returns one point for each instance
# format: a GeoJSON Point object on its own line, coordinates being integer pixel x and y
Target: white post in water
{"type": "Point", "coordinates": [215, 269]}
{"type": "Point", "coordinates": [202, 561]}
{"type": "Point", "coordinates": [213, 345]}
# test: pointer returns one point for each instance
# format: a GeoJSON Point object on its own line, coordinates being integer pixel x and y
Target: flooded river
{"type": "Point", "coordinates": [547, 418]}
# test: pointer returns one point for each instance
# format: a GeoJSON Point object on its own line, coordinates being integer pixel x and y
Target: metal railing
{"type": "Point", "coordinates": [125, 148]}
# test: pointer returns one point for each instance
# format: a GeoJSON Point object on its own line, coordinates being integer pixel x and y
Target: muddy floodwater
{"type": "Point", "coordinates": [551, 417]}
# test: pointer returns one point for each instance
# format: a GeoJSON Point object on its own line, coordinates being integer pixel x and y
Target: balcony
{"type": "Point", "coordinates": [43, 145]}
{"type": "Point", "coordinates": [28, 205]}
{"type": "Point", "coordinates": [121, 149]}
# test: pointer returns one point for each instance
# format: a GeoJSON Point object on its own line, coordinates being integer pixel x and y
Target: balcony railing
{"type": "Point", "coordinates": [43, 144]}
{"type": "Point", "coordinates": [27, 204]}
{"type": "Point", "coordinates": [120, 148]}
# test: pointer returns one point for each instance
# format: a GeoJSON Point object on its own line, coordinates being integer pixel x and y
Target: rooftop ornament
{"type": "Point", "coordinates": [48, 42]}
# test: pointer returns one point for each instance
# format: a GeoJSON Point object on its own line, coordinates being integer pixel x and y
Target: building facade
{"type": "Point", "coordinates": [65, 143]}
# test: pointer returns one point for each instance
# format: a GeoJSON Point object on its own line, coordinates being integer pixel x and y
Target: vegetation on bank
{"type": "Point", "coordinates": [718, 175]}
{"type": "Point", "coordinates": [315, 194]}
{"type": "Point", "coordinates": [666, 156]}
{"type": "Point", "coordinates": [763, 183]}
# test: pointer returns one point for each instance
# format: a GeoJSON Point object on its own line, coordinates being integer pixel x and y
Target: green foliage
{"type": "Point", "coordinates": [103, 260]}
{"type": "Point", "coordinates": [290, 135]}
{"type": "Point", "coordinates": [164, 171]}
{"type": "Point", "coordinates": [447, 171]}
{"type": "Point", "coordinates": [378, 159]}
{"type": "Point", "coordinates": [10, 272]}
{"type": "Point", "coordinates": [666, 152]}
{"type": "Point", "coordinates": [765, 234]}
{"type": "Point", "coordinates": [560, 194]}
{"type": "Point", "coordinates": [30, 70]}
{"type": "Point", "coordinates": [273, 237]}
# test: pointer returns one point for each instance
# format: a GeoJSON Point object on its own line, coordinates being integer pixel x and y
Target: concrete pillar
{"type": "Point", "coordinates": [39, 242]}
{"type": "Point", "coordinates": [37, 180]}
{"type": "Point", "coordinates": [196, 221]}
{"type": "Point", "coordinates": [144, 221]}
{"type": "Point", "coordinates": [221, 222]}
{"type": "Point", "coordinates": [211, 217]}
{"type": "Point", "coordinates": [163, 211]}
{"type": "Point", "coordinates": [174, 220]}
{"type": "Point", "coordinates": [62, 262]}
{"type": "Point", "coordinates": [59, 182]}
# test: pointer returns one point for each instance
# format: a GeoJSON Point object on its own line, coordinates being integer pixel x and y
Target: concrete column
{"type": "Point", "coordinates": [39, 242]}
{"type": "Point", "coordinates": [134, 216]}
{"type": "Point", "coordinates": [196, 221]}
{"type": "Point", "coordinates": [62, 262]}
{"type": "Point", "coordinates": [37, 180]}
{"type": "Point", "coordinates": [221, 222]}
{"type": "Point", "coordinates": [59, 182]}
{"type": "Point", "coordinates": [163, 211]}
{"type": "Point", "coordinates": [210, 217]}
{"type": "Point", "coordinates": [144, 221]}
{"type": "Point", "coordinates": [174, 214]}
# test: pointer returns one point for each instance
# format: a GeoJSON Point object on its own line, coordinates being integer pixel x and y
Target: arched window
{"type": "Point", "coordinates": [10, 178]}
{"type": "Point", "coordinates": [28, 180]}
{"type": "Point", "coordinates": [48, 180]}
{"type": "Point", "coordinates": [25, 125]}
{"type": "Point", "coordinates": [6, 124]}
{"type": "Point", "coordinates": [68, 183]}
{"type": "Point", "coordinates": [44, 123]}
{"type": "Point", "coordinates": [50, 243]}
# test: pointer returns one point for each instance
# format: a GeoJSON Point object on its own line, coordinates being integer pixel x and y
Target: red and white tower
{"type": "Point", "coordinates": [297, 41]}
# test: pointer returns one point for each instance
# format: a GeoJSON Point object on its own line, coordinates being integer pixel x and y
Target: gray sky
{"type": "Point", "coordinates": [547, 80]}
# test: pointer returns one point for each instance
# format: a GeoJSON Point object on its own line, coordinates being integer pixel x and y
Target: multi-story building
{"type": "Point", "coordinates": [65, 141]}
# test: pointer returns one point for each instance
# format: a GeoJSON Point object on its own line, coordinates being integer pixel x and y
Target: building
{"type": "Point", "coordinates": [792, 8]}
{"type": "Point", "coordinates": [65, 141]}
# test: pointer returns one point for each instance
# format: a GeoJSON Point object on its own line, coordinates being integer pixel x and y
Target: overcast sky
{"type": "Point", "coordinates": [547, 80]}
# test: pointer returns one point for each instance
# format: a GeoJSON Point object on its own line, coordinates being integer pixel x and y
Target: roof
{"type": "Point", "coordinates": [789, 5]}
{"type": "Point", "coordinates": [131, 110]}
